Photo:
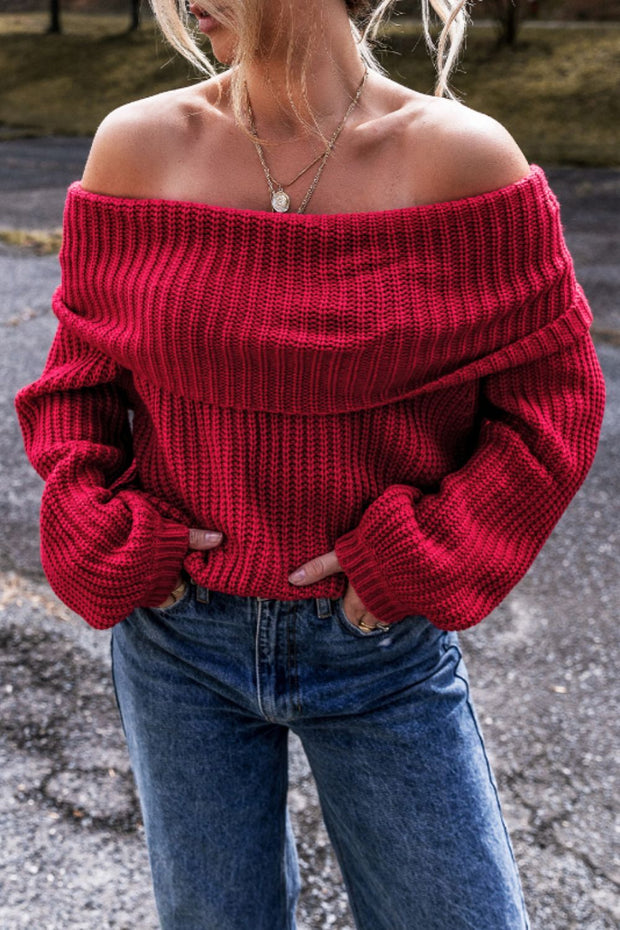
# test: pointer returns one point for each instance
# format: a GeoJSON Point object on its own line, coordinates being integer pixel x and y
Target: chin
{"type": "Point", "coordinates": [224, 55]}
{"type": "Point", "coordinates": [223, 46]}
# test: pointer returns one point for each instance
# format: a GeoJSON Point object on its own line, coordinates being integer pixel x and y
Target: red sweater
{"type": "Point", "coordinates": [415, 388]}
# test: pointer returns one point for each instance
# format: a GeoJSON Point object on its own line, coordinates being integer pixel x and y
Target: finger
{"type": "Point", "coordinates": [177, 592]}
{"type": "Point", "coordinates": [320, 567]}
{"type": "Point", "coordinates": [365, 621]}
{"type": "Point", "coordinates": [204, 539]}
{"type": "Point", "coordinates": [368, 623]}
{"type": "Point", "coordinates": [179, 587]}
{"type": "Point", "coordinates": [356, 611]}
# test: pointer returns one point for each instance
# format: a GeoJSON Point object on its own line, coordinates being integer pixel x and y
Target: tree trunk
{"type": "Point", "coordinates": [508, 16]}
{"type": "Point", "coordinates": [512, 21]}
{"type": "Point", "coordinates": [54, 25]}
{"type": "Point", "coordinates": [135, 15]}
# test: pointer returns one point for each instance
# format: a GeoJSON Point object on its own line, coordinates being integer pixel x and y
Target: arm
{"type": "Point", "coordinates": [455, 554]}
{"type": "Point", "coordinates": [106, 547]}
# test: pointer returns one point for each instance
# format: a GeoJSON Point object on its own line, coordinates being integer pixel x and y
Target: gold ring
{"type": "Point", "coordinates": [364, 626]}
{"type": "Point", "coordinates": [370, 629]}
{"type": "Point", "coordinates": [179, 591]}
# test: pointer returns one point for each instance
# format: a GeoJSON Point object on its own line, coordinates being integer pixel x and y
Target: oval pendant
{"type": "Point", "coordinates": [280, 202]}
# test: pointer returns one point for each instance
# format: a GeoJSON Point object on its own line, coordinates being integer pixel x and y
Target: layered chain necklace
{"type": "Point", "coordinates": [280, 200]}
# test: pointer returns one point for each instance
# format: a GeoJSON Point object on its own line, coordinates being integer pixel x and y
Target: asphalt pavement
{"type": "Point", "coordinates": [543, 665]}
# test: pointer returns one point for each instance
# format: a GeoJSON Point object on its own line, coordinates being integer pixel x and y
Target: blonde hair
{"type": "Point", "coordinates": [452, 14]}
{"type": "Point", "coordinates": [366, 18]}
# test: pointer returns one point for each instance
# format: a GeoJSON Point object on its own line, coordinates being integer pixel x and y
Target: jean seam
{"type": "Point", "coordinates": [492, 782]}
{"type": "Point", "coordinates": [259, 697]}
{"type": "Point", "coordinates": [291, 631]}
{"type": "Point", "coordinates": [115, 687]}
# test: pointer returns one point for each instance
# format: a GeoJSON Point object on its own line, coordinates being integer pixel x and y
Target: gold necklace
{"type": "Point", "coordinates": [280, 200]}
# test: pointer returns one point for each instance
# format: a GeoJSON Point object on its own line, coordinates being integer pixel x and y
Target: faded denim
{"type": "Point", "coordinates": [209, 688]}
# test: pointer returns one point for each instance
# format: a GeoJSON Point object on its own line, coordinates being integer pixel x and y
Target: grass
{"type": "Point", "coordinates": [556, 91]}
{"type": "Point", "coordinates": [40, 242]}
{"type": "Point", "coordinates": [66, 84]}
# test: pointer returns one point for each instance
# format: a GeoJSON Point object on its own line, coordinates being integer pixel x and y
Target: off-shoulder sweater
{"type": "Point", "coordinates": [415, 388]}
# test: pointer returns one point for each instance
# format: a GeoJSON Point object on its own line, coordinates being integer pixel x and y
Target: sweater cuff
{"type": "Point", "coordinates": [361, 568]}
{"type": "Point", "coordinates": [169, 550]}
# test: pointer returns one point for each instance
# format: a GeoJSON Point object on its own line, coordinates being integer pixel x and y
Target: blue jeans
{"type": "Point", "coordinates": [209, 688]}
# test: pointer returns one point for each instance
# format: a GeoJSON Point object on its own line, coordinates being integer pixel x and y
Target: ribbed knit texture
{"type": "Point", "coordinates": [415, 388]}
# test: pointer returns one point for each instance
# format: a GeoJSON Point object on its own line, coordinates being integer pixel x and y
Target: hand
{"type": "Point", "coordinates": [321, 567]}
{"type": "Point", "coordinates": [198, 539]}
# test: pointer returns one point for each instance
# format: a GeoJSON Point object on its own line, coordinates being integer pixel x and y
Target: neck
{"type": "Point", "coordinates": [333, 71]}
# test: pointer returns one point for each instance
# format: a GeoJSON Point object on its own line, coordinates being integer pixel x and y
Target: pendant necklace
{"type": "Point", "coordinates": [280, 200]}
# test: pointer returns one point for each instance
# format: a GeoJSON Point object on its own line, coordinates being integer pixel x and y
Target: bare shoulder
{"type": "Point", "coordinates": [460, 152]}
{"type": "Point", "coordinates": [136, 144]}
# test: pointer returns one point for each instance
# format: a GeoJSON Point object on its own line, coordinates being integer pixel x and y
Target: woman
{"type": "Point", "coordinates": [362, 388]}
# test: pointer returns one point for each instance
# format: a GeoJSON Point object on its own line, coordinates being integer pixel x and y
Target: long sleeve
{"type": "Point", "coordinates": [106, 547]}
{"type": "Point", "coordinates": [453, 554]}
{"type": "Point", "coordinates": [415, 387]}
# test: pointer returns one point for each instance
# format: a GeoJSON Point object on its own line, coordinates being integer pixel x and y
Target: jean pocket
{"type": "Point", "coordinates": [180, 601]}
{"type": "Point", "coordinates": [353, 628]}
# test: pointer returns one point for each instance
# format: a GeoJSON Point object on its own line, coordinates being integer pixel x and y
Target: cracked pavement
{"type": "Point", "coordinates": [543, 666]}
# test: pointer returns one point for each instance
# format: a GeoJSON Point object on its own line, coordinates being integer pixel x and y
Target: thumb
{"type": "Point", "coordinates": [204, 539]}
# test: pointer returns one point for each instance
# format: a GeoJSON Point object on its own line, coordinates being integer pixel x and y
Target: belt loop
{"type": "Point", "coordinates": [323, 607]}
{"type": "Point", "coordinates": [202, 594]}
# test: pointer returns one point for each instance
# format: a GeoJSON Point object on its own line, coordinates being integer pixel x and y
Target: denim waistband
{"type": "Point", "coordinates": [323, 605]}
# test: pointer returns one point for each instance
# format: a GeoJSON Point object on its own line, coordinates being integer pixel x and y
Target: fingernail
{"type": "Point", "coordinates": [297, 576]}
{"type": "Point", "coordinates": [212, 536]}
